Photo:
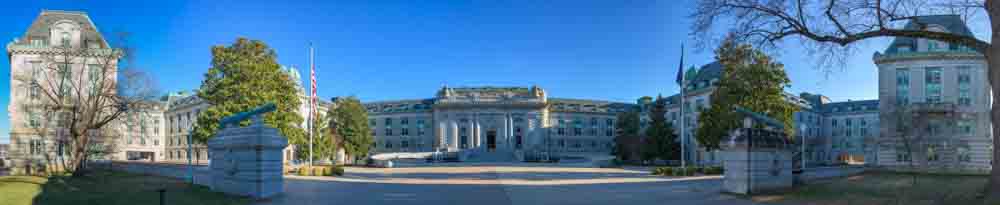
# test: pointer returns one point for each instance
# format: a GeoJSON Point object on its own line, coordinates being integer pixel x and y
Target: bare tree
{"type": "Point", "coordinates": [81, 90]}
{"type": "Point", "coordinates": [831, 29]}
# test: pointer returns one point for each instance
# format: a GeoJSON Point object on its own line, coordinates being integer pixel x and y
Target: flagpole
{"type": "Point", "coordinates": [311, 88]}
{"type": "Point", "coordinates": [683, 120]}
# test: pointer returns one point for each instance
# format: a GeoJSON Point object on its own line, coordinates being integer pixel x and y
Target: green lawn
{"type": "Point", "coordinates": [886, 188]}
{"type": "Point", "coordinates": [106, 188]}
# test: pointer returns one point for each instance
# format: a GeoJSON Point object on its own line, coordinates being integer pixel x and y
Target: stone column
{"type": "Point", "coordinates": [476, 132]}
{"type": "Point", "coordinates": [441, 134]}
{"type": "Point", "coordinates": [502, 139]}
{"type": "Point", "coordinates": [453, 135]}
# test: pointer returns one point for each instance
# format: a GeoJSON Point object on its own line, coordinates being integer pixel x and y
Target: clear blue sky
{"type": "Point", "coordinates": [606, 50]}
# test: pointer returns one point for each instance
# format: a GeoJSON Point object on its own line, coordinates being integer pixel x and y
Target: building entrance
{"type": "Point", "coordinates": [491, 140]}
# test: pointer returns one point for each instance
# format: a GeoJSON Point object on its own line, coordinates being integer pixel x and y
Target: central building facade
{"type": "Point", "coordinates": [494, 119]}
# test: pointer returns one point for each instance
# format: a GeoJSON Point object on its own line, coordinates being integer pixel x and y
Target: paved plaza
{"type": "Point", "coordinates": [489, 184]}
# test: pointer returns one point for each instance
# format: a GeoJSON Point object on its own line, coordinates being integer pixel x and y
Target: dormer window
{"type": "Point", "coordinates": [903, 49]}
{"type": "Point", "coordinates": [65, 39]}
{"type": "Point", "coordinates": [932, 45]}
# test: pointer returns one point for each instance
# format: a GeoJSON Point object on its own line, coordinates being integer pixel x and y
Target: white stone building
{"type": "Point", "coordinates": [944, 86]}
{"type": "Point", "coordinates": [37, 136]}
{"type": "Point", "coordinates": [485, 120]}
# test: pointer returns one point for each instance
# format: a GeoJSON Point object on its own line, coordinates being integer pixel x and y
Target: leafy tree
{"type": "Point", "coordinates": [352, 131]}
{"type": "Point", "coordinates": [661, 141]}
{"type": "Point", "coordinates": [627, 135]}
{"type": "Point", "coordinates": [245, 75]}
{"type": "Point", "coordinates": [833, 28]}
{"type": "Point", "coordinates": [750, 79]}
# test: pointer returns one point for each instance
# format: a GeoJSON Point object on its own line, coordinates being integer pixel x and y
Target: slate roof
{"type": "Point", "coordinates": [707, 72]}
{"type": "Point", "coordinates": [41, 26]}
{"type": "Point", "coordinates": [850, 106]}
{"type": "Point", "coordinates": [952, 23]}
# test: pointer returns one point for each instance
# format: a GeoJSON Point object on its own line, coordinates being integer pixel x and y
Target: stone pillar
{"type": "Point", "coordinates": [453, 134]}
{"type": "Point", "coordinates": [247, 160]}
{"type": "Point", "coordinates": [470, 134]}
{"type": "Point", "coordinates": [476, 133]}
{"type": "Point", "coordinates": [441, 135]}
{"type": "Point", "coordinates": [502, 138]}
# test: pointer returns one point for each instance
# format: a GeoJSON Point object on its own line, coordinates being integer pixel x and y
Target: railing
{"type": "Point", "coordinates": [933, 107]}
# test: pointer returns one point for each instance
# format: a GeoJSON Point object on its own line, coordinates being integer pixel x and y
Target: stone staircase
{"type": "Point", "coordinates": [482, 155]}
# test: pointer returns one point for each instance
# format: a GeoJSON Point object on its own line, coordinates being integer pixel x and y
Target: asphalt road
{"type": "Point", "coordinates": [501, 185]}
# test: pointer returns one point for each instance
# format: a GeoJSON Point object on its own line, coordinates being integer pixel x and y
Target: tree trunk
{"type": "Point", "coordinates": [993, 67]}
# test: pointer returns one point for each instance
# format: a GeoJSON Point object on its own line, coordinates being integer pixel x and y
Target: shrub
{"type": "Point", "coordinates": [327, 171]}
{"type": "Point", "coordinates": [338, 170]}
{"type": "Point", "coordinates": [303, 171]}
{"type": "Point", "coordinates": [667, 171]}
{"type": "Point", "coordinates": [689, 171]}
{"type": "Point", "coordinates": [657, 171]}
{"type": "Point", "coordinates": [713, 170]}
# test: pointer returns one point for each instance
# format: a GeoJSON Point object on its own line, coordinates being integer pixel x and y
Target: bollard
{"type": "Point", "coordinates": [162, 198]}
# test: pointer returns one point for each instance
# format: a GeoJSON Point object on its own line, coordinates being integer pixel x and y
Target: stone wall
{"type": "Point", "coordinates": [202, 175]}
{"type": "Point", "coordinates": [819, 173]}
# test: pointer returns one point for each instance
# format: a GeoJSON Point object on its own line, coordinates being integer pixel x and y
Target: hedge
{"type": "Point", "coordinates": [687, 171]}
{"type": "Point", "coordinates": [320, 171]}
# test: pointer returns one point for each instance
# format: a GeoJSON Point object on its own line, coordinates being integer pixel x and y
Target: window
{"type": "Point", "coordinates": [902, 86]}
{"type": "Point", "coordinates": [371, 122]}
{"type": "Point", "coordinates": [965, 127]}
{"type": "Point", "coordinates": [462, 137]}
{"type": "Point", "coordinates": [864, 127]}
{"type": "Point", "coordinates": [388, 122]}
{"type": "Point", "coordinates": [388, 131]}
{"type": "Point", "coordinates": [420, 127]}
{"type": "Point", "coordinates": [902, 155]}
{"type": "Point", "coordinates": [700, 103]}
{"type": "Point", "coordinates": [577, 127]}
{"type": "Point", "coordinates": [405, 131]}
{"type": "Point", "coordinates": [964, 153]}
{"type": "Point", "coordinates": [388, 144]}
{"type": "Point", "coordinates": [964, 88]}
{"type": "Point", "coordinates": [34, 120]}
{"type": "Point", "coordinates": [36, 146]}
{"type": "Point", "coordinates": [932, 154]}
{"type": "Point", "coordinates": [847, 125]}
{"type": "Point", "coordinates": [561, 130]}
{"type": "Point", "coordinates": [593, 122]}
{"type": "Point", "coordinates": [933, 128]}
{"type": "Point", "coordinates": [37, 41]}
{"type": "Point", "coordinates": [65, 39]}
{"type": "Point", "coordinates": [933, 84]}
{"type": "Point", "coordinates": [404, 121]}
{"type": "Point", "coordinates": [404, 144]}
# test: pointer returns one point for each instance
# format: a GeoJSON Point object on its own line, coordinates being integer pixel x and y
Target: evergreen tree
{"type": "Point", "coordinates": [245, 75]}
{"type": "Point", "coordinates": [661, 141]}
{"type": "Point", "coordinates": [750, 79]}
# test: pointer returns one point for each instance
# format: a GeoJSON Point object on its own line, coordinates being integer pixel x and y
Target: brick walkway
{"type": "Point", "coordinates": [483, 184]}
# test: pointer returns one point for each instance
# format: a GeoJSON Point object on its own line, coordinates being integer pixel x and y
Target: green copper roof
{"type": "Point", "coordinates": [952, 23]}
